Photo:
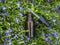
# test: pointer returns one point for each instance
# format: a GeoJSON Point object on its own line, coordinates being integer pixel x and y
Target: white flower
{"type": "Point", "coordinates": [17, 20]}
{"type": "Point", "coordinates": [9, 30]}
{"type": "Point", "coordinates": [21, 9]}
{"type": "Point", "coordinates": [57, 37]}
{"type": "Point", "coordinates": [18, 4]}
{"type": "Point", "coordinates": [4, 8]}
{"type": "Point", "coordinates": [54, 20]}
{"type": "Point", "coordinates": [21, 14]}
{"type": "Point", "coordinates": [10, 43]}
{"type": "Point", "coordinates": [15, 36]}
{"type": "Point", "coordinates": [28, 38]}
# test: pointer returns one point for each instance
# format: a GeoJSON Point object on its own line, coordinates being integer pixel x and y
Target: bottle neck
{"type": "Point", "coordinates": [29, 17]}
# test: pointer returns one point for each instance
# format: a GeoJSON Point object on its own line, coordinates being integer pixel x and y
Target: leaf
{"type": "Point", "coordinates": [21, 42]}
{"type": "Point", "coordinates": [32, 8]}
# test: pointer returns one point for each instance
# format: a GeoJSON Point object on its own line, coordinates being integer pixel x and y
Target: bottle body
{"type": "Point", "coordinates": [29, 25]}
{"type": "Point", "coordinates": [30, 28]}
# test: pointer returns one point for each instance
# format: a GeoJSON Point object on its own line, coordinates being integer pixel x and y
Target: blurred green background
{"type": "Point", "coordinates": [13, 18]}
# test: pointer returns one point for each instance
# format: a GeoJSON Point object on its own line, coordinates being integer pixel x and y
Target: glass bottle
{"type": "Point", "coordinates": [29, 25]}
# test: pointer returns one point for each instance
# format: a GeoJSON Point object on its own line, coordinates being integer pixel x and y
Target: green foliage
{"type": "Point", "coordinates": [13, 18]}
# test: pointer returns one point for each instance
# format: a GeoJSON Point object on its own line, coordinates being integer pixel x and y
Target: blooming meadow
{"type": "Point", "coordinates": [13, 18]}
